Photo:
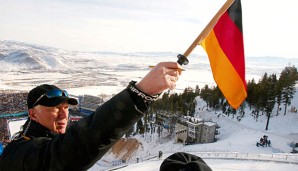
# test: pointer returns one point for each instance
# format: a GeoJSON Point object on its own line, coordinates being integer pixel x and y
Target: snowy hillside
{"type": "Point", "coordinates": [237, 141]}
{"type": "Point", "coordinates": [25, 65]}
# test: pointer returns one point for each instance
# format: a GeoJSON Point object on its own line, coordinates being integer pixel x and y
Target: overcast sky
{"type": "Point", "coordinates": [269, 26]}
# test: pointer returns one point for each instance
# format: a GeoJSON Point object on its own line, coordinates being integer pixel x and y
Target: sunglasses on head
{"type": "Point", "coordinates": [52, 94]}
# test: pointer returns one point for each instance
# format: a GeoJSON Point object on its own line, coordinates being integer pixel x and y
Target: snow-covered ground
{"type": "Point", "coordinates": [235, 150]}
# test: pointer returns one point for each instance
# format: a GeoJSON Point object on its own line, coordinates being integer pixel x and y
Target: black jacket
{"type": "Point", "coordinates": [83, 144]}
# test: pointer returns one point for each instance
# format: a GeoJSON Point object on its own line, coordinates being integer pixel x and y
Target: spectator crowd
{"type": "Point", "coordinates": [10, 102]}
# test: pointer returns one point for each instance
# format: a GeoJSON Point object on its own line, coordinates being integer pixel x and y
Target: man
{"type": "Point", "coordinates": [46, 144]}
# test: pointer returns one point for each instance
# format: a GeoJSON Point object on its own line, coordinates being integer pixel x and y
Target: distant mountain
{"type": "Point", "coordinates": [22, 56]}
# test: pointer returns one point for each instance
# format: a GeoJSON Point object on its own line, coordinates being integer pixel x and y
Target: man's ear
{"type": "Point", "coordinates": [32, 114]}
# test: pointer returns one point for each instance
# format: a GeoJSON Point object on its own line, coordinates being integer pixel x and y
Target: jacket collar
{"type": "Point", "coordinates": [33, 129]}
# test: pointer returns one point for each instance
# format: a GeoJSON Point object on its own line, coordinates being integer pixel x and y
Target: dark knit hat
{"type": "Point", "coordinates": [38, 91]}
{"type": "Point", "coordinates": [182, 161]}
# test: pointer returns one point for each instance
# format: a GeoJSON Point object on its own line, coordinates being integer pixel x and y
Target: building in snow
{"type": "Point", "coordinates": [190, 130]}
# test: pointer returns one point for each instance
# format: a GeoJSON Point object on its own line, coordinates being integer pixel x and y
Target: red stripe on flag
{"type": "Point", "coordinates": [224, 73]}
{"type": "Point", "coordinates": [230, 40]}
{"type": "Point", "coordinates": [224, 46]}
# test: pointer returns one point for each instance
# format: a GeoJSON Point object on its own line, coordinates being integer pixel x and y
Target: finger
{"type": "Point", "coordinates": [173, 85]}
{"type": "Point", "coordinates": [172, 72]}
{"type": "Point", "coordinates": [175, 76]}
{"type": "Point", "coordinates": [172, 78]}
{"type": "Point", "coordinates": [172, 65]}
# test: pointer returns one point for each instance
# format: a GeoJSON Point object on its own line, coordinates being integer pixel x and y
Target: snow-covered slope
{"type": "Point", "coordinates": [237, 141]}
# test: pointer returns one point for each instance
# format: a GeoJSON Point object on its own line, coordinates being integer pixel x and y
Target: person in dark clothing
{"type": "Point", "coordinates": [45, 143]}
{"type": "Point", "coordinates": [160, 154]}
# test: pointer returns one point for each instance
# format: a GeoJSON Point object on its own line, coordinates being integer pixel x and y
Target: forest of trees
{"type": "Point", "coordinates": [262, 97]}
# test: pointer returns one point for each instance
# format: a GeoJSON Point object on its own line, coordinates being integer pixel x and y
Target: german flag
{"type": "Point", "coordinates": [225, 49]}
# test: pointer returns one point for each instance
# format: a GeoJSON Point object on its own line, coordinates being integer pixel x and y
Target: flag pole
{"type": "Point", "coordinates": [209, 27]}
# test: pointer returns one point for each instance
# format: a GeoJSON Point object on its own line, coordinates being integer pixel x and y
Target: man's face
{"type": "Point", "coordinates": [54, 118]}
